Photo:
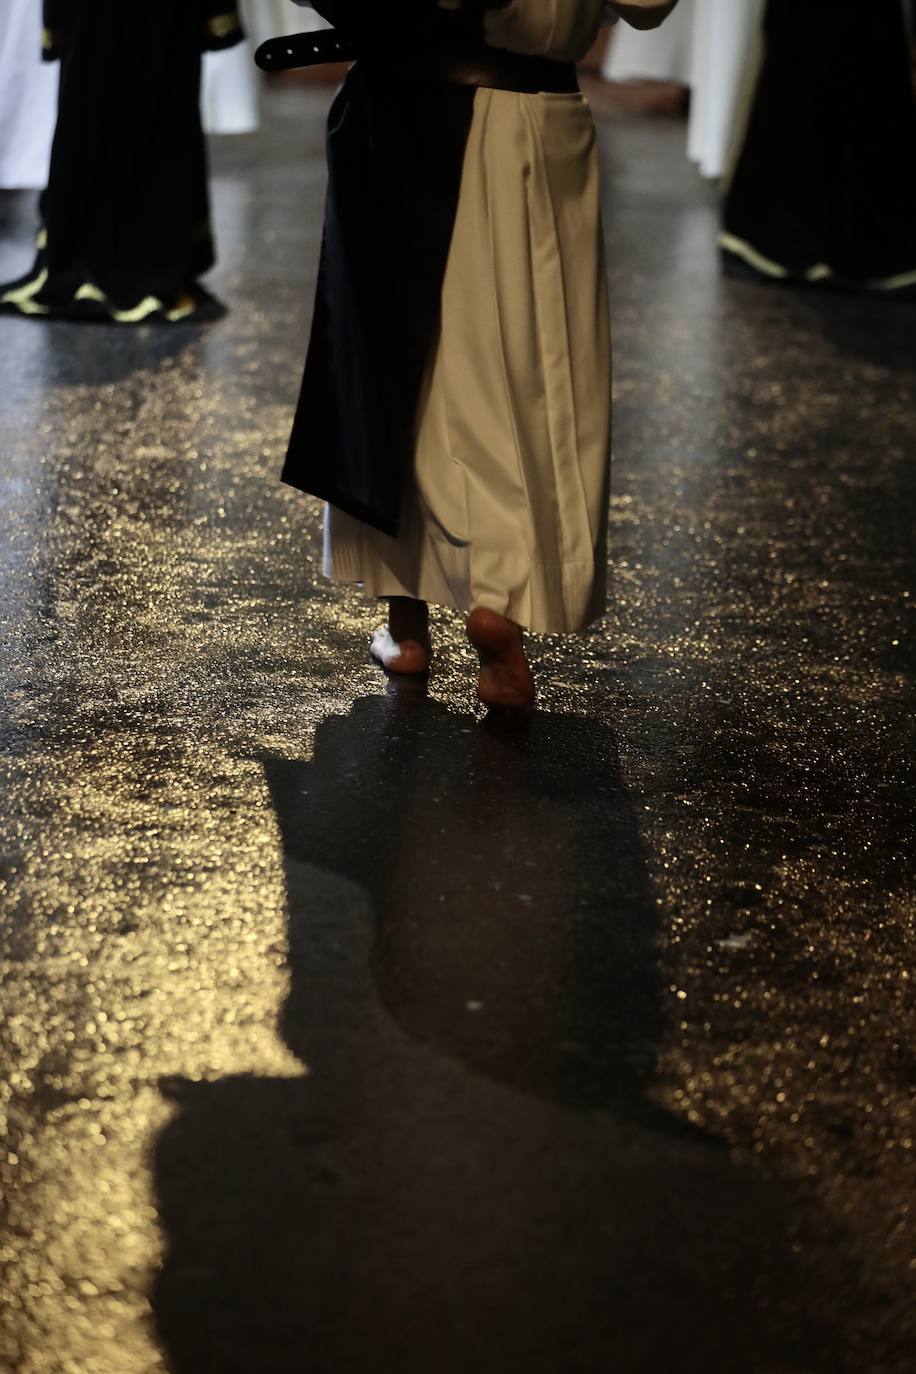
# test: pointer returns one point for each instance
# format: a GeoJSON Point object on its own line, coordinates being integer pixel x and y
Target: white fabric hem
{"type": "Point", "coordinates": [545, 598]}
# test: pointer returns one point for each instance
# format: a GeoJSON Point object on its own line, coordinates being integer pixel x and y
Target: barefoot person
{"type": "Point", "coordinates": [455, 411]}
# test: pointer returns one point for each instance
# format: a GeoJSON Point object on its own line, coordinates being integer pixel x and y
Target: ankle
{"type": "Point", "coordinates": [408, 619]}
{"type": "Point", "coordinates": [489, 631]}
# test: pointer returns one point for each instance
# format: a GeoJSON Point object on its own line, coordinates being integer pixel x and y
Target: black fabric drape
{"type": "Point", "coordinates": [827, 174]}
{"type": "Point", "coordinates": [216, 23]}
{"type": "Point", "coordinates": [395, 154]}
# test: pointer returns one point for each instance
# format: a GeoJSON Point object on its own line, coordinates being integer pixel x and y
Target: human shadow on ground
{"type": "Point", "coordinates": [515, 927]}
{"type": "Point", "coordinates": [472, 1175]}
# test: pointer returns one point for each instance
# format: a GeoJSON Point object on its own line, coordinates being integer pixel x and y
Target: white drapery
{"type": "Point", "coordinates": [662, 54]}
{"type": "Point", "coordinates": [229, 91]}
{"type": "Point", "coordinates": [270, 18]}
{"type": "Point", "coordinates": [713, 47]}
{"type": "Point", "coordinates": [727, 44]}
{"type": "Point", "coordinates": [28, 98]}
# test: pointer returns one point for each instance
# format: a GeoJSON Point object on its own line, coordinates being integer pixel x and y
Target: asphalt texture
{"type": "Point", "coordinates": [346, 1030]}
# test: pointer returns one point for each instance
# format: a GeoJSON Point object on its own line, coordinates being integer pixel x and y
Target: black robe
{"type": "Point", "coordinates": [126, 210]}
{"type": "Point", "coordinates": [395, 157]}
{"type": "Point", "coordinates": [827, 175]}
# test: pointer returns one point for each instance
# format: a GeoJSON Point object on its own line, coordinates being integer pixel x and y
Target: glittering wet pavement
{"type": "Point", "coordinates": [344, 1032]}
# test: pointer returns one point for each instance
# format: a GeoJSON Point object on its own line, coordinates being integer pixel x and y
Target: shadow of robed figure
{"type": "Point", "coordinates": [472, 1174]}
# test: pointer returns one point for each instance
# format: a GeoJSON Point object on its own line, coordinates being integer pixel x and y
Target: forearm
{"type": "Point", "coordinates": [644, 14]}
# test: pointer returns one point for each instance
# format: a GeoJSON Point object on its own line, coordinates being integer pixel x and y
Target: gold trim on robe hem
{"type": "Point", "coordinates": [47, 40]}
{"type": "Point", "coordinates": [821, 271]}
{"type": "Point", "coordinates": [30, 307]}
{"type": "Point", "coordinates": [897, 283]}
{"type": "Point", "coordinates": [181, 312]}
{"type": "Point", "coordinates": [22, 295]}
{"type": "Point", "coordinates": [752, 257]}
{"type": "Point", "coordinates": [22, 299]}
{"type": "Point", "coordinates": [90, 292]}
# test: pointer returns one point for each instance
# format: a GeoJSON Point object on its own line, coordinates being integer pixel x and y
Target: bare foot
{"type": "Point", "coordinates": [402, 646]}
{"type": "Point", "coordinates": [505, 678]}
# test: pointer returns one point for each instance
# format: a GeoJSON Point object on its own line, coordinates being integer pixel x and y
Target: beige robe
{"type": "Point", "coordinates": [508, 506]}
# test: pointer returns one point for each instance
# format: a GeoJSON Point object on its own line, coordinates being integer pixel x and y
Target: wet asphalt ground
{"type": "Point", "coordinates": [344, 1030]}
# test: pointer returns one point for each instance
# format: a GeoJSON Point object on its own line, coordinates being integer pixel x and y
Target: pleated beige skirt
{"type": "Point", "coordinates": [508, 504]}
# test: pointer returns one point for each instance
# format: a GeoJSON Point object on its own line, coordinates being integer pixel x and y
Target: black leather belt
{"type": "Point", "coordinates": [305, 50]}
{"type": "Point", "coordinates": [494, 68]}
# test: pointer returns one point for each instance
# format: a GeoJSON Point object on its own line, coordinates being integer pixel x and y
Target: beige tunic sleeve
{"type": "Point", "coordinates": [562, 29]}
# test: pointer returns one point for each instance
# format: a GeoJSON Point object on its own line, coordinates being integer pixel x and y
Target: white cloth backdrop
{"type": "Point", "coordinates": [230, 85]}
{"type": "Point", "coordinates": [727, 44]}
{"type": "Point", "coordinates": [229, 91]}
{"type": "Point", "coordinates": [231, 81]}
{"type": "Point", "coordinates": [28, 97]}
{"type": "Point", "coordinates": [713, 47]}
{"type": "Point", "coordinates": [662, 54]}
{"type": "Point", "coordinates": [270, 18]}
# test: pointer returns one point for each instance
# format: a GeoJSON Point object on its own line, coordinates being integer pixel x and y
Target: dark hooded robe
{"type": "Point", "coordinates": [824, 191]}
{"type": "Point", "coordinates": [125, 216]}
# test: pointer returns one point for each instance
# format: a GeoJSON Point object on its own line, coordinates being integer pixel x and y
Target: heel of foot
{"type": "Point", "coordinates": [491, 633]}
{"type": "Point", "coordinates": [505, 678]}
{"type": "Point", "coordinates": [407, 657]}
